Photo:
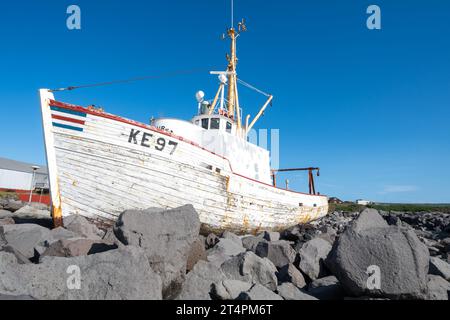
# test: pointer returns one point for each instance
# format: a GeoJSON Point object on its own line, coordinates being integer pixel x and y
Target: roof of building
{"type": "Point", "coordinates": [14, 165]}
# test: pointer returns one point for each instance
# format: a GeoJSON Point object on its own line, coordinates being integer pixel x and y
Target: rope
{"type": "Point", "coordinates": [101, 84]}
{"type": "Point", "coordinates": [252, 87]}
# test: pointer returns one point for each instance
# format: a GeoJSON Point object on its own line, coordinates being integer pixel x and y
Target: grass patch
{"type": "Point", "coordinates": [346, 207]}
{"type": "Point", "coordinates": [445, 208]}
{"type": "Point", "coordinates": [6, 194]}
{"type": "Point", "coordinates": [401, 207]}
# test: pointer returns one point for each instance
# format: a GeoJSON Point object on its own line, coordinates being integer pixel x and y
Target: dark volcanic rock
{"type": "Point", "coordinates": [113, 275]}
{"type": "Point", "coordinates": [439, 267]}
{"type": "Point", "coordinates": [401, 258]}
{"type": "Point", "coordinates": [327, 288]}
{"type": "Point", "coordinates": [199, 281]}
{"type": "Point", "coordinates": [438, 288]}
{"type": "Point", "coordinates": [251, 242]}
{"type": "Point", "coordinates": [196, 253]}
{"type": "Point", "coordinates": [312, 256]}
{"type": "Point", "coordinates": [77, 247]}
{"type": "Point", "coordinates": [248, 267]}
{"type": "Point", "coordinates": [290, 292]}
{"type": "Point", "coordinates": [259, 292]}
{"type": "Point", "coordinates": [25, 237]}
{"type": "Point", "coordinates": [166, 237]}
{"type": "Point", "coordinates": [289, 273]}
{"type": "Point", "coordinates": [82, 227]}
{"type": "Point", "coordinates": [279, 252]}
{"type": "Point", "coordinates": [229, 289]}
{"type": "Point", "coordinates": [271, 236]}
{"type": "Point", "coordinates": [211, 240]}
{"type": "Point", "coordinates": [7, 221]}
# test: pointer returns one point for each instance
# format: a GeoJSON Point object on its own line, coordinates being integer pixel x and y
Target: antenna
{"type": "Point", "coordinates": [232, 13]}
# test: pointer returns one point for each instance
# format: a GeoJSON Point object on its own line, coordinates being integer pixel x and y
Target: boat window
{"type": "Point", "coordinates": [215, 124]}
{"type": "Point", "coordinates": [197, 122]}
{"type": "Point", "coordinates": [205, 123]}
{"type": "Point", "coordinates": [229, 126]}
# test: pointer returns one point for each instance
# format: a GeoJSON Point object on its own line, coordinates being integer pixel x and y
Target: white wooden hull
{"type": "Point", "coordinates": [103, 167]}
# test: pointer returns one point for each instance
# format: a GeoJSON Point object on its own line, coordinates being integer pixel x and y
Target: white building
{"type": "Point", "coordinates": [364, 202]}
{"type": "Point", "coordinates": [16, 175]}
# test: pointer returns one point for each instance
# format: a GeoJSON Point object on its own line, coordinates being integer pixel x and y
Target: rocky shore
{"type": "Point", "coordinates": [159, 254]}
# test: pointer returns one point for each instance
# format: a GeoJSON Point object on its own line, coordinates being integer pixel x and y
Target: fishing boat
{"type": "Point", "coordinates": [101, 164]}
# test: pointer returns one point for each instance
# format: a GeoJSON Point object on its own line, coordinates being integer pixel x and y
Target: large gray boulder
{"type": "Point", "coordinates": [61, 233]}
{"type": "Point", "coordinates": [5, 214]}
{"type": "Point", "coordinates": [438, 288]}
{"type": "Point", "coordinates": [25, 237]}
{"type": "Point", "coordinates": [229, 289]}
{"type": "Point", "coordinates": [312, 256]}
{"type": "Point", "coordinates": [81, 226]}
{"type": "Point", "coordinates": [166, 237]}
{"type": "Point", "coordinates": [260, 293]}
{"type": "Point", "coordinates": [232, 236]}
{"type": "Point", "coordinates": [251, 242]}
{"type": "Point", "coordinates": [122, 274]}
{"type": "Point", "coordinates": [13, 205]}
{"type": "Point", "coordinates": [21, 259]}
{"type": "Point", "coordinates": [199, 281]}
{"type": "Point", "coordinates": [368, 219]}
{"type": "Point", "coordinates": [290, 292]}
{"type": "Point", "coordinates": [369, 245]}
{"type": "Point", "coordinates": [439, 267]}
{"type": "Point", "coordinates": [279, 252]}
{"type": "Point", "coordinates": [228, 247]}
{"type": "Point", "coordinates": [29, 211]}
{"type": "Point", "coordinates": [248, 267]}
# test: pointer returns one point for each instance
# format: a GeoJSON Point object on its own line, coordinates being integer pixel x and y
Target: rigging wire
{"type": "Point", "coordinates": [108, 83]}
{"type": "Point", "coordinates": [253, 88]}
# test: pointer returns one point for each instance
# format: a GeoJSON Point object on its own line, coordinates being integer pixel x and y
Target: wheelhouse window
{"type": "Point", "coordinates": [205, 123]}
{"type": "Point", "coordinates": [229, 127]}
{"type": "Point", "coordinates": [215, 124]}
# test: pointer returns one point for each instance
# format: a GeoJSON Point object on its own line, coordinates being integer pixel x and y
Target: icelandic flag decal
{"type": "Point", "coordinates": [68, 119]}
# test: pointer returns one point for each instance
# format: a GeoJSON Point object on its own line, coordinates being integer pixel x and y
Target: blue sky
{"type": "Point", "coordinates": [370, 107]}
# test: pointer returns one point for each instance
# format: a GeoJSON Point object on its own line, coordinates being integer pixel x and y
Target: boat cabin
{"type": "Point", "coordinates": [215, 122]}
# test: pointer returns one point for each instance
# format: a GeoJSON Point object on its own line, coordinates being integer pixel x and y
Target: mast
{"type": "Point", "coordinates": [232, 95]}
{"type": "Point", "coordinates": [232, 61]}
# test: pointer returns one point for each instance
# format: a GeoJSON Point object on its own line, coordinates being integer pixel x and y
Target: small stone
{"type": "Point", "coordinates": [229, 289]}
{"type": "Point", "coordinates": [439, 267]}
{"type": "Point", "coordinates": [211, 240]}
{"type": "Point", "coordinates": [290, 292]}
{"type": "Point", "coordinates": [289, 273]}
{"type": "Point", "coordinates": [259, 292]}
